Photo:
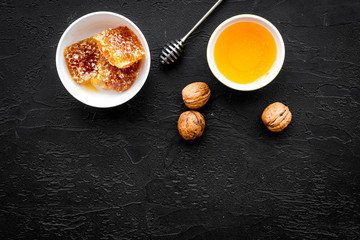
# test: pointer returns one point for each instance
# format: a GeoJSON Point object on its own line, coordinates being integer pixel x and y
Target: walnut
{"type": "Point", "coordinates": [196, 95]}
{"type": "Point", "coordinates": [191, 125]}
{"type": "Point", "coordinates": [276, 117]}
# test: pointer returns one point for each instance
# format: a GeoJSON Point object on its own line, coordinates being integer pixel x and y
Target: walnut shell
{"type": "Point", "coordinates": [196, 95]}
{"type": "Point", "coordinates": [191, 125]}
{"type": "Point", "coordinates": [276, 117]}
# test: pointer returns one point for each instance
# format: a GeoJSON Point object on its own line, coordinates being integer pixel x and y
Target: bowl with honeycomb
{"type": "Point", "coordinates": [103, 59]}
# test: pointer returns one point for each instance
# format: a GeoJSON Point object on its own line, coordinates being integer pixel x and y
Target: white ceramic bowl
{"type": "Point", "coordinates": [262, 81]}
{"type": "Point", "coordinates": [85, 27]}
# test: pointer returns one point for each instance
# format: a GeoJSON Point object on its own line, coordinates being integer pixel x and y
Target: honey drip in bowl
{"type": "Point", "coordinates": [244, 52]}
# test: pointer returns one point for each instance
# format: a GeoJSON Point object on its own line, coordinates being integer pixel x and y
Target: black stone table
{"type": "Point", "coordinates": [69, 171]}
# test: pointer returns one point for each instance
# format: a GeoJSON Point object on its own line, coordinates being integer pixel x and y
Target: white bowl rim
{"type": "Point", "coordinates": [262, 81]}
{"type": "Point", "coordinates": [147, 59]}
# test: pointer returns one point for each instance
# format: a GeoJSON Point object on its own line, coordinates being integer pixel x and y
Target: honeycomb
{"type": "Point", "coordinates": [96, 60]}
{"type": "Point", "coordinates": [82, 59]}
{"type": "Point", "coordinates": [113, 78]}
{"type": "Point", "coordinates": [120, 46]}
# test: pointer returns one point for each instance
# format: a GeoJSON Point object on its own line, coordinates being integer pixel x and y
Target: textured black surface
{"type": "Point", "coordinates": [69, 171]}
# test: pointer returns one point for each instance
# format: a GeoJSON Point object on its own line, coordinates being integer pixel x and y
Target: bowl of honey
{"type": "Point", "coordinates": [246, 52]}
{"type": "Point", "coordinates": [103, 59]}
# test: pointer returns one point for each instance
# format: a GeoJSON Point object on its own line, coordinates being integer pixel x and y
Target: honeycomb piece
{"type": "Point", "coordinates": [120, 46]}
{"type": "Point", "coordinates": [113, 78]}
{"type": "Point", "coordinates": [82, 59]}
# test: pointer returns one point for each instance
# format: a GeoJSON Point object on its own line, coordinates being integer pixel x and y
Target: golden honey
{"type": "Point", "coordinates": [244, 52]}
